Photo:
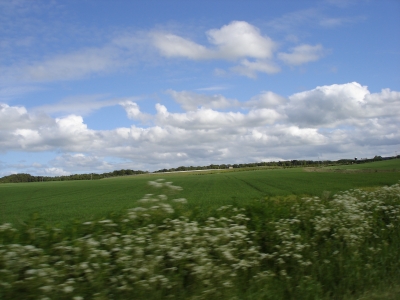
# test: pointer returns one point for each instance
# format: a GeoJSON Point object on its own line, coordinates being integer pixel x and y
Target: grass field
{"type": "Point", "coordinates": [271, 242]}
{"type": "Point", "coordinates": [58, 202]}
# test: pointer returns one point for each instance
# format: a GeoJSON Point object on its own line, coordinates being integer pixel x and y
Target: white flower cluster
{"type": "Point", "coordinates": [292, 248]}
{"type": "Point", "coordinates": [160, 184]}
{"type": "Point", "coordinates": [132, 259]}
{"type": "Point", "coordinates": [349, 217]}
{"type": "Point", "coordinates": [147, 252]}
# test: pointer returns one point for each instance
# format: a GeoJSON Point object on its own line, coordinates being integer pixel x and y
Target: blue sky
{"type": "Point", "coordinates": [94, 86]}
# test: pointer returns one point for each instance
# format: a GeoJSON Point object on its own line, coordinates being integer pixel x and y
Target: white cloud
{"type": "Point", "coordinates": [204, 118]}
{"type": "Point", "coordinates": [302, 54]}
{"type": "Point", "coordinates": [213, 88]}
{"type": "Point", "coordinates": [12, 117]}
{"type": "Point", "coordinates": [10, 92]}
{"type": "Point", "coordinates": [242, 42]}
{"type": "Point", "coordinates": [55, 172]}
{"type": "Point", "coordinates": [68, 133]}
{"type": "Point", "coordinates": [192, 101]}
{"type": "Point", "coordinates": [171, 45]}
{"type": "Point", "coordinates": [337, 120]}
{"type": "Point", "coordinates": [383, 104]}
{"type": "Point", "coordinates": [133, 111]}
{"type": "Point", "coordinates": [74, 65]}
{"type": "Point", "coordinates": [71, 124]}
{"type": "Point", "coordinates": [81, 104]}
{"type": "Point", "coordinates": [250, 68]}
{"type": "Point", "coordinates": [286, 136]}
{"type": "Point", "coordinates": [326, 105]}
{"type": "Point", "coordinates": [266, 99]}
{"type": "Point", "coordinates": [116, 54]}
{"type": "Point", "coordinates": [337, 104]}
{"type": "Point", "coordinates": [81, 162]}
{"type": "Point", "coordinates": [236, 40]}
{"type": "Point", "coordinates": [241, 39]}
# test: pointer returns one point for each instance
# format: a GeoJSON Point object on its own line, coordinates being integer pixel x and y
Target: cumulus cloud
{"type": "Point", "coordinates": [302, 54]}
{"type": "Point", "coordinates": [339, 120]}
{"type": "Point", "coordinates": [192, 101]}
{"type": "Point", "coordinates": [68, 133]}
{"type": "Point", "coordinates": [241, 43]}
{"type": "Point", "coordinates": [349, 103]}
{"type": "Point", "coordinates": [235, 40]}
{"type": "Point", "coordinates": [80, 162]}
{"type": "Point", "coordinates": [240, 39]}
{"type": "Point", "coordinates": [12, 117]}
{"type": "Point", "coordinates": [133, 111]}
{"type": "Point", "coordinates": [204, 118]}
{"type": "Point", "coordinates": [266, 99]}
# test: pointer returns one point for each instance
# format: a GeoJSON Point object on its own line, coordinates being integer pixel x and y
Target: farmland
{"type": "Point", "coordinates": [58, 202]}
{"type": "Point", "coordinates": [268, 234]}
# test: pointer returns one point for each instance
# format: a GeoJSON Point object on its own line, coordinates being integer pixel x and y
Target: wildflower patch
{"type": "Point", "coordinates": [306, 248]}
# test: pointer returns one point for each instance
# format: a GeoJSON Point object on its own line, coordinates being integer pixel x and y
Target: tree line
{"type": "Point", "coordinates": [288, 163]}
{"type": "Point", "coordinates": [23, 177]}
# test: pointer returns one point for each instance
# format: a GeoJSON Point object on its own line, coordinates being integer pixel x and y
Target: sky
{"type": "Point", "coordinates": [94, 86]}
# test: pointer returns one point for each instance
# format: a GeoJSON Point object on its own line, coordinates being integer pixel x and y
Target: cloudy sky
{"type": "Point", "coordinates": [95, 86]}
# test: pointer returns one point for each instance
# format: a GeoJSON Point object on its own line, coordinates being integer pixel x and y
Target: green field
{"type": "Point", "coordinates": [58, 202]}
{"type": "Point", "coordinates": [384, 165]}
{"type": "Point", "coordinates": [296, 233]}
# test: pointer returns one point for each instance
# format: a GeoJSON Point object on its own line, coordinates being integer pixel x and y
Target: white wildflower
{"type": "Point", "coordinates": [68, 289]}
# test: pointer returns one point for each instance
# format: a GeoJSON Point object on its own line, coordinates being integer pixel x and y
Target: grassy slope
{"type": "Point", "coordinates": [392, 164]}
{"type": "Point", "coordinates": [59, 201]}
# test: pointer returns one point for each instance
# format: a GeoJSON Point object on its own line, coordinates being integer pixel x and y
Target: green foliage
{"type": "Point", "coordinates": [381, 165]}
{"type": "Point", "coordinates": [58, 202]}
{"type": "Point", "coordinates": [277, 247]}
{"type": "Point", "coordinates": [22, 177]}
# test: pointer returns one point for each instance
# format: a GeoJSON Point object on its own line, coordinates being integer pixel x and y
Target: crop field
{"type": "Point", "coordinates": [314, 233]}
{"type": "Point", "coordinates": [58, 202]}
{"type": "Point", "coordinates": [277, 245]}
